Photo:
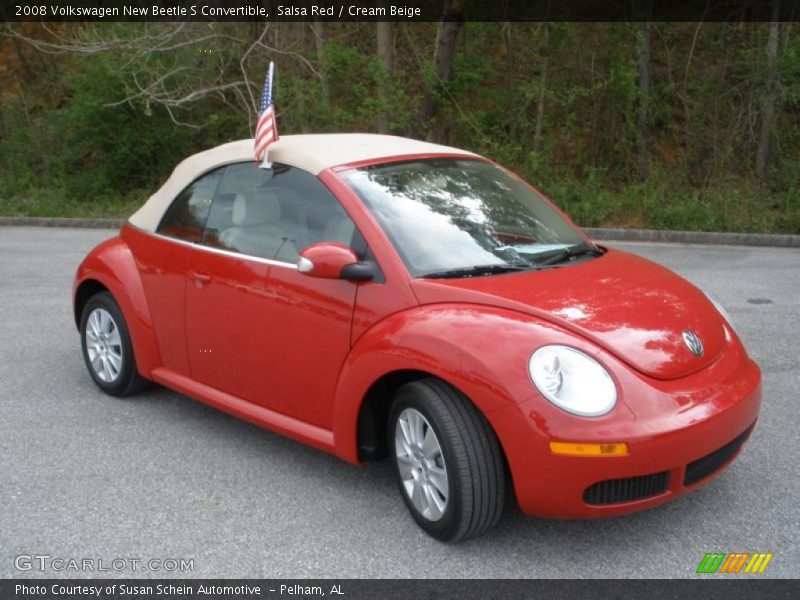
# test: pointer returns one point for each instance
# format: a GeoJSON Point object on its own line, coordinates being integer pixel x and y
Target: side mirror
{"type": "Point", "coordinates": [332, 260]}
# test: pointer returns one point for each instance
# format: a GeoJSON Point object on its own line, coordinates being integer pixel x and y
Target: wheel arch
{"type": "Point", "coordinates": [85, 290]}
{"type": "Point", "coordinates": [373, 414]}
{"type": "Point", "coordinates": [111, 267]}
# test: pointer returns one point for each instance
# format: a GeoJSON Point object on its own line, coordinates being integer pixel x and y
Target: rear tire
{"type": "Point", "coordinates": [451, 472]}
{"type": "Point", "coordinates": [107, 348]}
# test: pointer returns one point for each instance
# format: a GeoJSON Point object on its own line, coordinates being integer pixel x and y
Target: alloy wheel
{"type": "Point", "coordinates": [421, 464]}
{"type": "Point", "coordinates": [104, 345]}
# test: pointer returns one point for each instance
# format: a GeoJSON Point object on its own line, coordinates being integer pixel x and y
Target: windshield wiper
{"type": "Point", "coordinates": [477, 270]}
{"type": "Point", "coordinates": [571, 252]}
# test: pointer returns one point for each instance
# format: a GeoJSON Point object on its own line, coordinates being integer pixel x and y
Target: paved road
{"type": "Point", "coordinates": [161, 476]}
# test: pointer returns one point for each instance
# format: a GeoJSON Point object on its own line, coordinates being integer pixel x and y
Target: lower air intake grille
{"type": "Point", "coordinates": [629, 489]}
{"type": "Point", "coordinates": [703, 467]}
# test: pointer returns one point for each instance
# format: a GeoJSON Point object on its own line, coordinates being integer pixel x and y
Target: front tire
{"type": "Point", "coordinates": [448, 462]}
{"type": "Point", "coordinates": [107, 348]}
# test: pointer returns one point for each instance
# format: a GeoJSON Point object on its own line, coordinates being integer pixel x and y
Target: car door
{"type": "Point", "coordinates": [162, 260]}
{"type": "Point", "coordinates": [256, 327]}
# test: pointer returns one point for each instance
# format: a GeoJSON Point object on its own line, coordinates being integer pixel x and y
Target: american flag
{"type": "Point", "coordinates": [266, 130]}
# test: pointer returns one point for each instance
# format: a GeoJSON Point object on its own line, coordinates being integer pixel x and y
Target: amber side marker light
{"type": "Point", "coordinates": [581, 449]}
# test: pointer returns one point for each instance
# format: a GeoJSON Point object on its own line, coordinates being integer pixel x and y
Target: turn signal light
{"type": "Point", "coordinates": [581, 449]}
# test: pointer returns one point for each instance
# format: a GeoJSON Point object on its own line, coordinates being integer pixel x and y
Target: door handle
{"type": "Point", "coordinates": [200, 277]}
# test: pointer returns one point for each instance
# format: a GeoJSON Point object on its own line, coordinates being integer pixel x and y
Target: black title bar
{"type": "Point", "coordinates": [400, 10]}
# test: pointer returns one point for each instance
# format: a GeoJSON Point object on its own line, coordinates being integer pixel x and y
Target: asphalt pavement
{"type": "Point", "coordinates": [160, 476]}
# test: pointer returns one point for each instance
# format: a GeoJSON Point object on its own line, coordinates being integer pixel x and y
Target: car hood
{"type": "Point", "coordinates": [630, 306]}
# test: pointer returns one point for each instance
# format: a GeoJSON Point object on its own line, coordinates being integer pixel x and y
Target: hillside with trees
{"type": "Point", "coordinates": [659, 125]}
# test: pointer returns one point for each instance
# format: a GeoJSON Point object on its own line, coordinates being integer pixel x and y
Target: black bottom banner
{"type": "Point", "coordinates": [386, 589]}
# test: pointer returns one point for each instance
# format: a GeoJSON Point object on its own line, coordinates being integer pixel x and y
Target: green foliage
{"type": "Point", "coordinates": [661, 203]}
{"type": "Point", "coordinates": [71, 144]}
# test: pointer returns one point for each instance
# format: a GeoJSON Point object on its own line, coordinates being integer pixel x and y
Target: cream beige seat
{"type": "Point", "coordinates": [258, 229]}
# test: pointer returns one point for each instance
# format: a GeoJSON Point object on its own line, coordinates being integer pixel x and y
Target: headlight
{"type": "Point", "coordinates": [572, 381]}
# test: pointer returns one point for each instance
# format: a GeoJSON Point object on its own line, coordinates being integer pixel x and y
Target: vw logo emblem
{"type": "Point", "coordinates": [693, 342]}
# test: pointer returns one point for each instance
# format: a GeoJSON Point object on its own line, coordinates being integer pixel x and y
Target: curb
{"type": "Point", "coordinates": [598, 233]}
{"type": "Point", "coordinates": [61, 222]}
{"type": "Point", "coordinates": [694, 237]}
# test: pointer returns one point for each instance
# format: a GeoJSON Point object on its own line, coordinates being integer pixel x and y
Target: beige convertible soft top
{"type": "Point", "coordinates": [311, 152]}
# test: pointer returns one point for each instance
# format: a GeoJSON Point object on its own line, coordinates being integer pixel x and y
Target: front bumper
{"type": "Point", "coordinates": [669, 454]}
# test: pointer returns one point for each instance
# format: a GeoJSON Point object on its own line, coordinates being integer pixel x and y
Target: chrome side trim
{"type": "Point", "coordinates": [198, 246]}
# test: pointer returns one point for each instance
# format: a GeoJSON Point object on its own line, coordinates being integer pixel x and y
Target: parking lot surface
{"type": "Point", "coordinates": [159, 476]}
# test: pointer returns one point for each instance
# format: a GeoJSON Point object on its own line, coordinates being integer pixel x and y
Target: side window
{"type": "Point", "coordinates": [187, 214]}
{"type": "Point", "coordinates": [274, 213]}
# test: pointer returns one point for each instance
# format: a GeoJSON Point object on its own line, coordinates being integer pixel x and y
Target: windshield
{"type": "Point", "coordinates": [464, 217]}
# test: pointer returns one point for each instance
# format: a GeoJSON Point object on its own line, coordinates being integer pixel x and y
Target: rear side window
{"type": "Point", "coordinates": [274, 213]}
{"type": "Point", "coordinates": [187, 215]}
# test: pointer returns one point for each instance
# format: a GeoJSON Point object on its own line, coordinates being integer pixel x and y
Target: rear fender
{"type": "Point", "coordinates": [112, 264]}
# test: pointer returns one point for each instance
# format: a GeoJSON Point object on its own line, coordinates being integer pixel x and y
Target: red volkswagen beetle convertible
{"type": "Point", "coordinates": [378, 296]}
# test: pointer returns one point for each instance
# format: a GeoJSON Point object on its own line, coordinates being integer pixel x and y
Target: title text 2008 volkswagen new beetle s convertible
{"type": "Point", "coordinates": [373, 295]}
